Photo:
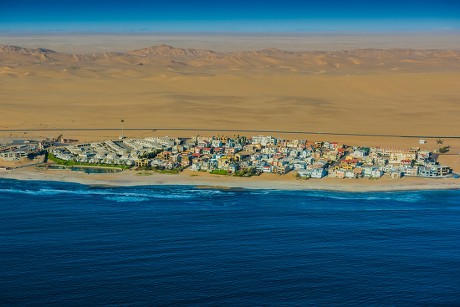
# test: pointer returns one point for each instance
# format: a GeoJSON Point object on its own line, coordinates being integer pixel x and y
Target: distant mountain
{"type": "Point", "coordinates": [16, 49]}
{"type": "Point", "coordinates": [169, 51]}
{"type": "Point", "coordinates": [23, 55]}
{"type": "Point", "coordinates": [165, 57]}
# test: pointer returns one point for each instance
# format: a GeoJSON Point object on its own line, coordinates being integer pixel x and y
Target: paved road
{"type": "Point", "coordinates": [233, 130]}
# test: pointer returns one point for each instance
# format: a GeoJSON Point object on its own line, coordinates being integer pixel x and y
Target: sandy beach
{"type": "Point", "coordinates": [201, 179]}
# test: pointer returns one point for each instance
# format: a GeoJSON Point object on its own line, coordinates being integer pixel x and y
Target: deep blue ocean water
{"type": "Point", "coordinates": [71, 244]}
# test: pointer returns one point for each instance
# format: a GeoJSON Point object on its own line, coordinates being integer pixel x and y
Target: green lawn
{"type": "Point", "coordinates": [219, 172]}
{"type": "Point", "coordinates": [51, 157]}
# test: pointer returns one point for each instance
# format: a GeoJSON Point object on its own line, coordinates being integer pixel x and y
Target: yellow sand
{"type": "Point", "coordinates": [422, 100]}
{"type": "Point", "coordinates": [265, 181]}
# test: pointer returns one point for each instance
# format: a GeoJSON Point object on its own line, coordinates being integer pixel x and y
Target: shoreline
{"type": "Point", "coordinates": [208, 181]}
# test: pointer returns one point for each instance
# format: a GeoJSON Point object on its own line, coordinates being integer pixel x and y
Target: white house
{"type": "Point", "coordinates": [318, 173]}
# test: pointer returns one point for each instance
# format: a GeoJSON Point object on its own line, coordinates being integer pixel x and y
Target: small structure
{"type": "Point", "coordinates": [142, 162]}
{"type": "Point", "coordinates": [233, 168]}
{"type": "Point", "coordinates": [303, 173]}
{"type": "Point", "coordinates": [283, 169]}
{"type": "Point", "coordinates": [435, 170]}
{"type": "Point", "coordinates": [318, 173]}
{"type": "Point", "coordinates": [376, 173]}
{"type": "Point", "coordinates": [358, 171]}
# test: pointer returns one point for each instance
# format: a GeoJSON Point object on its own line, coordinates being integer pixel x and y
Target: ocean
{"type": "Point", "coordinates": [70, 244]}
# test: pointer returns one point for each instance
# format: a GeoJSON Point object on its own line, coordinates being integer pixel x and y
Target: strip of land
{"type": "Point", "coordinates": [258, 162]}
{"type": "Point", "coordinates": [265, 181]}
{"type": "Point", "coordinates": [386, 98]}
{"type": "Point", "coordinates": [364, 91]}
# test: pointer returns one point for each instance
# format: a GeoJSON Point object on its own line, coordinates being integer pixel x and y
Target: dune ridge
{"type": "Point", "coordinates": [181, 59]}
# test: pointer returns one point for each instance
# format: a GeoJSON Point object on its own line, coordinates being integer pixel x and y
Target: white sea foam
{"type": "Point", "coordinates": [113, 193]}
{"type": "Point", "coordinates": [396, 196]}
{"type": "Point", "coordinates": [193, 193]}
{"type": "Point", "coordinates": [126, 199]}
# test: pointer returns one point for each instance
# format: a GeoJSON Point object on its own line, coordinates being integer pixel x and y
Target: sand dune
{"type": "Point", "coordinates": [391, 91]}
{"type": "Point", "coordinates": [164, 56]}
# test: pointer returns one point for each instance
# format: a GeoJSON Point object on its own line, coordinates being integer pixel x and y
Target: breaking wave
{"type": "Point", "coordinates": [189, 193]}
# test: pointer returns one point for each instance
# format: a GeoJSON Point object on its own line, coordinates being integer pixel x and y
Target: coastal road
{"type": "Point", "coordinates": [233, 130]}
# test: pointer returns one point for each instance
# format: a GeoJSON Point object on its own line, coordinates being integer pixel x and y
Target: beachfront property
{"type": "Point", "coordinates": [259, 154]}
{"type": "Point", "coordinates": [18, 150]}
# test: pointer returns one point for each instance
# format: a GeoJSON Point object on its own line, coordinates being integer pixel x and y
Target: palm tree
{"type": "Point", "coordinates": [439, 142]}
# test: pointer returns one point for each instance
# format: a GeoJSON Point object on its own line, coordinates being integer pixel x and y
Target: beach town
{"type": "Point", "coordinates": [238, 156]}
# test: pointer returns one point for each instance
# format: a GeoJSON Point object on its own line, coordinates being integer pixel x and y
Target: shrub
{"type": "Point", "coordinates": [444, 149]}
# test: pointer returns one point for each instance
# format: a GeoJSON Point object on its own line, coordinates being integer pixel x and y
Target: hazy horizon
{"type": "Point", "coordinates": [238, 25]}
{"type": "Point", "coordinates": [228, 42]}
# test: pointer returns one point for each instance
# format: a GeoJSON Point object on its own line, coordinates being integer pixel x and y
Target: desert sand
{"type": "Point", "coordinates": [362, 91]}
